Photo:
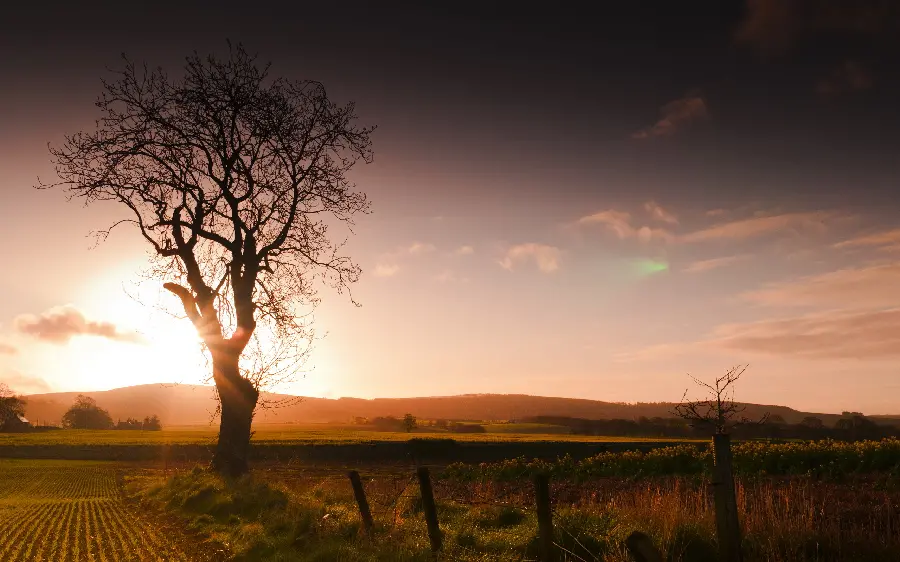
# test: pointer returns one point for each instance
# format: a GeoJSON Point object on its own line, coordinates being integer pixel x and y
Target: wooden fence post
{"type": "Point", "coordinates": [642, 548]}
{"type": "Point", "coordinates": [166, 453]}
{"type": "Point", "coordinates": [728, 530]}
{"type": "Point", "coordinates": [434, 531]}
{"type": "Point", "coordinates": [544, 516]}
{"type": "Point", "coordinates": [361, 501]}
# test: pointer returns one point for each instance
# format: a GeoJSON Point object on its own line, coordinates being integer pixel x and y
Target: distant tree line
{"type": "Point", "coordinates": [852, 426]}
{"type": "Point", "coordinates": [409, 422]}
{"type": "Point", "coordinates": [86, 414]}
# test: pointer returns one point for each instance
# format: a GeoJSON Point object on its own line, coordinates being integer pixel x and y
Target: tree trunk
{"type": "Point", "coordinates": [238, 400]}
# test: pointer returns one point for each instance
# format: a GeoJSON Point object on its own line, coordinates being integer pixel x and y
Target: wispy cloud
{"type": "Point", "coordinates": [848, 76]}
{"type": "Point", "coordinates": [386, 270]}
{"type": "Point", "coordinates": [870, 334]}
{"type": "Point", "coordinates": [853, 334]}
{"type": "Point", "coordinates": [714, 263]}
{"type": "Point", "coordinates": [622, 224]}
{"type": "Point", "coordinates": [8, 348]}
{"type": "Point", "coordinates": [660, 214]}
{"type": "Point", "coordinates": [23, 383]}
{"type": "Point", "coordinates": [545, 257]}
{"type": "Point", "coordinates": [760, 226]}
{"type": "Point", "coordinates": [874, 286]}
{"type": "Point", "coordinates": [675, 115]}
{"type": "Point", "coordinates": [419, 248]}
{"type": "Point", "coordinates": [619, 222]}
{"type": "Point", "coordinates": [464, 251]}
{"type": "Point", "coordinates": [61, 324]}
{"type": "Point", "coordinates": [887, 240]}
{"type": "Point", "coordinates": [388, 264]}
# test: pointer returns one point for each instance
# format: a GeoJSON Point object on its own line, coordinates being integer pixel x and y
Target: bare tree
{"type": "Point", "coordinates": [232, 177]}
{"type": "Point", "coordinates": [719, 411]}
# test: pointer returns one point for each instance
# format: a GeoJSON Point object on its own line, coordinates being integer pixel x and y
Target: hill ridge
{"type": "Point", "coordinates": [186, 404]}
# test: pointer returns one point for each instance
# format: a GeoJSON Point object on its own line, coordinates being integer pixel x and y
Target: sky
{"type": "Point", "coordinates": [590, 204]}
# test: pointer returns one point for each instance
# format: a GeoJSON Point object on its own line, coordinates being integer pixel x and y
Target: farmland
{"type": "Point", "coordinates": [63, 510]}
{"type": "Point", "coordinates": [309, 434]}
{"type": "Point", "coordinates": [321, 443]}
{"type": "Point", "coordinates": [70, 510]}
{"type": "Point", "coordinates": [486, 513]}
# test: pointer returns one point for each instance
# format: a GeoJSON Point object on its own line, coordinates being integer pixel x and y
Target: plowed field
{"type": "Point", "coordinates": [71, 511]}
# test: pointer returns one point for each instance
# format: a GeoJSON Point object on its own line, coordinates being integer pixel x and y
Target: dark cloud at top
{"type": "Point", "coordinates": [467, 93]}
{"type": "Point", "coordinates": [848, 76]}
{"type": "Point", "coordinates": [774, 26]}
{"type": "Point", "coordinates": [59, 325]}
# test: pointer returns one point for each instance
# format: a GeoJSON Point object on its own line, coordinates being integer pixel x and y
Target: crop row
{"type": "Point", "coordinates": [72, 514]}
{"type": "Point", "coordinates": [821, 458]}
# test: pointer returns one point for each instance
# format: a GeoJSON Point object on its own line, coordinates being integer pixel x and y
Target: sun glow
{"type": "Point", "coordinates": [170, 349]}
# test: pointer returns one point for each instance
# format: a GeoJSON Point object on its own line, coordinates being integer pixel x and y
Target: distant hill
{"type": "Point", "coordinates": [194, 405]}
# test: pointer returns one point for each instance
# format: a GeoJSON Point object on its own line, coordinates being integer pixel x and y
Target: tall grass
{"type": "Point", "coordinates": [284, 514]}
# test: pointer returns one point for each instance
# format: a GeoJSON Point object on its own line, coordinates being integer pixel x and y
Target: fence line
{"type": "Point", "coordinates": [548, 535]}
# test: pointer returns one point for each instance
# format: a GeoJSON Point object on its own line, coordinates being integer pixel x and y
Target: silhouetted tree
{"type": "Point", "coordinates": [855, 426]}
{"type": "Point", "coordinates": [409, 422]}
{"type": "Point", "coordinates": [812, 422]}
{"type": "Point", "coordinates": [152, 423]}
{"type": "Point", "coordinates": [86, 414]}
{"type": "Point", "coordinates": [232, 177]}
{"type": "Point", "coordinates": [719, 411]}
{"type": "Point", "coordinates": [11, 407]}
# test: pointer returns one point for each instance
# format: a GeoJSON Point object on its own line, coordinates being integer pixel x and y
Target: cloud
{"type": "Point", "coordinates": [659, 213]}
{"type": "Point", "coordinates": [716, 212]}
{"type": "Point", "coordinates": [419, 248]}
{"type": "Point", "coordinates": [623, 226]}
{"type": "Point", "coordinates": [849, 76]}
{"type": "Point", "coordinates": [715, 263]}
{"type": "Point", "coordinates": [59, 325]}
{"type": "Point", "coordinates": [887, 240]}
{"type": "Point", "coordinates": [774, 26]}
{"type": "Point", "coordinates": [874, 286]}
{"type": "Point", "coordinates": [619, 222]}
{"type": "Point", "coordinates": [675, 115]}
{"type": "Point", "coordinates": [388, 265]}
{"type": "Point", "coordinates": [853, 334]}
{"type": "Point", "coordinates": [386, 270]}
{"type": "Point", "coordinates": [24, 384]}
{"type": "Point", "coordinates": [759, 226]}
{"type": "Point", "coordinates": [868, 334]}
{"type": "Point", "coordinates": [8, 349]}
{"type": "Point", "coordinates": [464, 251]}
{"type": "Point", "coordinates": [545, 257]}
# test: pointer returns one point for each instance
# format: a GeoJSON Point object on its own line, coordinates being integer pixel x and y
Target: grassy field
{"type": "Point", "coordinates": [62, 511]}
{"type": "Point", "coordinates": [313, 434]}
{"type": "Point", "coordinates": [57, 510]}
{"type": "Point", "coordinates": [282, 513]}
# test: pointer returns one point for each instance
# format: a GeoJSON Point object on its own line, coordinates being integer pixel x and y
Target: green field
{"type": "Point", "coordinates": [67, 510]}
{"type": "Point", "coordinates": [312, 434]}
